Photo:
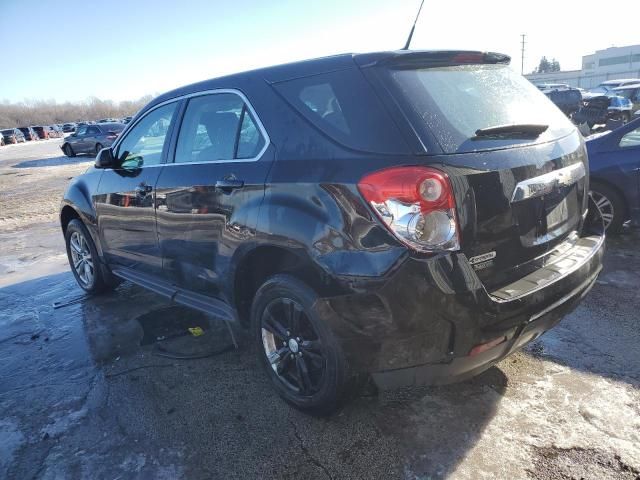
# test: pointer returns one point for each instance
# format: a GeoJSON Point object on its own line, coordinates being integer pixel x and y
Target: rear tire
{"type": "Point", "coordinates": [611, 205]}
{"type": "Point", "coordinates": [68, 151]}
{"type": "Point", "coordinates": [92, 276]}
{"type": "Point", "coordinates": [307, 367]}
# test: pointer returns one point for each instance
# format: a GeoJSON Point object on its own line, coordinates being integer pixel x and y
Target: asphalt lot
{"type": "Point", "coordinates": [85, 391]}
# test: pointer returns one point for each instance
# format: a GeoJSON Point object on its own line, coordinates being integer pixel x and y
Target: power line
{"type": "Point", "coordinates": [522, 60]}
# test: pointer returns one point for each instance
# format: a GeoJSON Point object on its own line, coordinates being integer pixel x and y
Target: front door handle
{"type": "Point", "coordinates": [142, 190]}
{"type": "Point", "coordinates": [229, 184]}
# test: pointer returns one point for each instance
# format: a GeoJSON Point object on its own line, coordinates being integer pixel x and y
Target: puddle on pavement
{"type": "Point", "coordinates": [179, 332]}
{"type": "Point", "coordinates": [170, 323]}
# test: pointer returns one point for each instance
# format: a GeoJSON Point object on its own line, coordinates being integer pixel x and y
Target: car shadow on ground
{"type": "Point", "coordinates": [602, 335]}
{"type": "Point", "coordinates": [88, 374]}
{"type": "Point", "coordinates": [54, 161]}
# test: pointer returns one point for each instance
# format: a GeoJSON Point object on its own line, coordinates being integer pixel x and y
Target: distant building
{"type": "Point", "coordinates": [608, 64]}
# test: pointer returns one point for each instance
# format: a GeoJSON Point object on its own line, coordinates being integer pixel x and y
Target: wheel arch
{"type": "Point", "coordinates": [600, 181]}
{"type": "Point", "coordinates": [264, 261]}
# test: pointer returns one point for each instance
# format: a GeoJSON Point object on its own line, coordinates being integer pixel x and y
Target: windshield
{"type": "Point", "coordinates": [455, 102]}
{"type": "Point", "coordinates": [7, 132]}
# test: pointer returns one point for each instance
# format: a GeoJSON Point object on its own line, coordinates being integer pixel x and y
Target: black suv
{"type": "Point", "coordinates": [412, 217]}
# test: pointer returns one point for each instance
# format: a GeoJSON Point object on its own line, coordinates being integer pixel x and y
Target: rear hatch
{"type": "Point", "coordinates": [518, 166]}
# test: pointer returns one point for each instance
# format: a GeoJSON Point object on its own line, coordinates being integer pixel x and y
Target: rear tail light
{"type": "Point", "coordinates": [417, 204]}
{"type": "Point", "coordinates": [112, 135]}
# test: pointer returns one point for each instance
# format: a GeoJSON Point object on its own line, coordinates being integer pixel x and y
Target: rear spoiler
{"type": "Point", "coordinates": [430, 59]}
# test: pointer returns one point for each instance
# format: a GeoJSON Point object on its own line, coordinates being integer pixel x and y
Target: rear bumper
{"type": "Point", "coordinates": [462, 368]}
{"type": "Point", "coordinates": [422, 325]}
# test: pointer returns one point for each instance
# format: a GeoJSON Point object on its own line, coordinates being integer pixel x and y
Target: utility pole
{"type": "Point", "coordinates": [522, 61]}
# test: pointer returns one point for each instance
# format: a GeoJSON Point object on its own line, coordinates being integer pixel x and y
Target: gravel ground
{"type": "Point", "coordinates": [85, 391]}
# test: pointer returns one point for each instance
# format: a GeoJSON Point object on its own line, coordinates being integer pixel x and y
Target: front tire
{"type": "Point", "coordinates": [611, 205]}
{"type": "Point", "coordinates": [85, 264]}
{"type": "Point", "coordinates": [296, 347]}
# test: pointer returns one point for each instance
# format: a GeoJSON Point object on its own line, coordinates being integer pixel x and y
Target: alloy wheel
{"type": "Point", "coordinates": [292, 347]}
{"type": "Point", "coordinates": [82, 259]}
{"type": "Point", "coordinates": [606, 207]}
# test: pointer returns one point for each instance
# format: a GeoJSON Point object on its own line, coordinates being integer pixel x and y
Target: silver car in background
{"type": "Point", "coordinates": [91, 138]}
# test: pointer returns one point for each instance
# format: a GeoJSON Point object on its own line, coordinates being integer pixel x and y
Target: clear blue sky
{"type": "Point", "coordinates": [117, 49]}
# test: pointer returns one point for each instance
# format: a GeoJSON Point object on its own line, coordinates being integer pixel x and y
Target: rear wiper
{"type": "Point", "coordinates": [525, 129]}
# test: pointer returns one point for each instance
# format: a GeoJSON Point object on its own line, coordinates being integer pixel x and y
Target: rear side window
{"type": "Point", "coordinates": [218, 127]}
{"type": "Point", "coordinates": [344, 107]}
{"type": "Point", "coordinates": [451, 103]}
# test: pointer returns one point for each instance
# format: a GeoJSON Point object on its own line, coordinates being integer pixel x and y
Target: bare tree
{"type": "Point", "coordinates": [47, 112]}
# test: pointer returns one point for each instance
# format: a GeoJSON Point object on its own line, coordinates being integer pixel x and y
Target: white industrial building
{"type": "Point", "coordinates": [608, 64]}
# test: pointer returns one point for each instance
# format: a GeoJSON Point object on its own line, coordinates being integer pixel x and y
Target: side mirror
{"type": "Point", "coordinates": [105, 159]}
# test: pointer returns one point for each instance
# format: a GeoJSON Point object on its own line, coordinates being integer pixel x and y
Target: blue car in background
{"type": "Point", "coordinates": [614, 163]}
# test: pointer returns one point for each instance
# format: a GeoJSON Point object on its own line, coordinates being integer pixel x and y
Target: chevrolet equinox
{"type": "Point", "coordinates": [412, 217]}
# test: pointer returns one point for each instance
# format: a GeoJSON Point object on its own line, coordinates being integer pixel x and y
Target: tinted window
{"type": "Point", "coordinates": [81, 131]}
{"type": "Point", "coordinates": [344, 107]}
{"type": "Point", "coordinates": [143, 144]}
{"type": "Point", "coordinates": [7, 132]}
{"type": "Point", "coordinates": [452, 103]}
{"type": "Point", "coordinates": [217, 127]}
{"type": "Point", "coordinates": [93, 131]}
{"type": "Point", "coordinates": [631, 139]}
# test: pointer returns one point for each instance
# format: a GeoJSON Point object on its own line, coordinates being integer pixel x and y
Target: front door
{"type": "Point", "coordinates": [125, 200]}
{"type": "Point", "coordinates": [208, 198]}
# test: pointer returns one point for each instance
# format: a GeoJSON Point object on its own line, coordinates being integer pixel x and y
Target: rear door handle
{"type": "Point", "coordinates": [229, 184]}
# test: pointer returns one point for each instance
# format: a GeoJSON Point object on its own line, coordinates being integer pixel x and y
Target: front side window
{"type": "Point", "coordinates": [218, 127]}
{"type": "Point", "coordinates": [144, 143]}
{"type": "Point", "coordinates": [631, 139]}
{"type": "Point", "coordinates": [81, 131]}
{"type": "Point", "coordinates": [93, 131]}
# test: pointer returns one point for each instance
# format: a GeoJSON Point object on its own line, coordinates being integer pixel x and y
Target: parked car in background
{"type": "Point", "coordinates": [551, 86]}
{"type": "Point", "coordinates": [601, 109]}
{"type": "Point", "coordinates": [567, 99]}
{"type": "Point", "coordinates": [607, 86]}
{"type": "Point", "coordinates": [42, 133]}
{"type": "Point", "coordinates": [630, 92]}
{"type": "Point", "coordinates": [91, 138]}
{"type": "Point", "coordinates": [126, 120]}
{"type": "Point", "coordinates": [614, 164]}
{"type": "Point", "coordinates": [620, 107]}
{"type": "Point", "coordinates": [56, 131]}
{"type": "Point", "coordinates": [13, 135]}
{"type": "Point", "coordinates": [29, 133]}
{"type": "Point", "coordinates": [69, 127]}
{"type": "Point", "coordinates": [108, 120]}
{"type": "Point", "coordinates": [354, 235]}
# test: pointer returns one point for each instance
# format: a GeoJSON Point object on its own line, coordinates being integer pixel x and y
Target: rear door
{"type": "Point", "coordinates": [91, 138]}
{"type": "Point", "coordinates": [208, 197]}
{"type": "Point", "coordinates": [125, 200]}
{"type": "Point", "coordinates": [623, 159]}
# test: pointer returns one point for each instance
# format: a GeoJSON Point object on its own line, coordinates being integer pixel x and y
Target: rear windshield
{"type": "Point", "coordinates": [7, 132]}
{"type": "Point", "coordinates": [449, 104]}
{"type": "Point", "coordinates": [344, 107]}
